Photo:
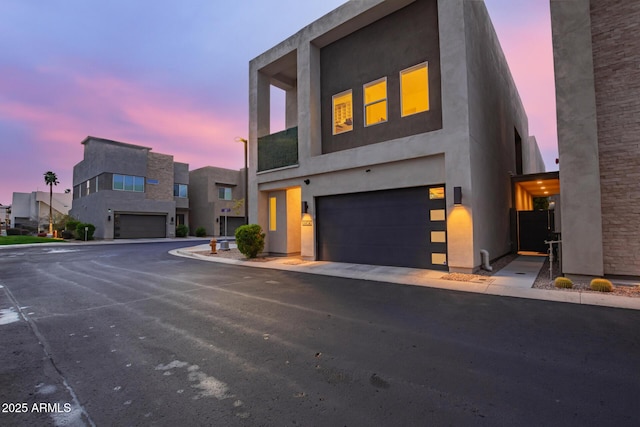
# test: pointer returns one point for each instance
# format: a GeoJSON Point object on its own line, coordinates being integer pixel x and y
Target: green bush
{"type": "Point", "coordinates": [71, 225]}
{"type": "Point", "coordinates": [601, 285]}
{"type": "Point", "coordinates": [563, 282]}
{"type": "Point", "coordinates": [250, 240]}
{"type": "Point", "coordinates": [182, 230]}
{"type": "Point", "coordinates": [201, 232]}
{"type": "Point", "coordinates": [80, 231]}
{"type": "Point", "coordinates": [17, 232]}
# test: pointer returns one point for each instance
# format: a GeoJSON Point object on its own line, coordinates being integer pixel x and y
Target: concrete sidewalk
{"type": "Point", "coordinates": [514, 280]}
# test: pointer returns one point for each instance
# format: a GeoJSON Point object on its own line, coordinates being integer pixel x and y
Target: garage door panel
{"type": "Point", "coordinates": [132, 226]}
{"type": "Point", "coordinates": [390, 227]}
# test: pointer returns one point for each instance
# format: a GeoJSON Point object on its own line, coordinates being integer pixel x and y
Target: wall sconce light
{"type": "Point", "coordinates": [109, 215]}
{"type": "Point", "coordinates": [307, 181]}
{"type": "Point", "coordinates": [305, 207]}
{"type": "Point", "coordinates": [171, 220]}
{"type": "Point", "coordinates": [368, 170]}
{"type": "Point", "coordinates": [457, 195]}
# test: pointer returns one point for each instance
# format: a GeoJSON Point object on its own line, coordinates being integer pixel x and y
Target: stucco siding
{"type": "Point", "coordinates": [496, 117]}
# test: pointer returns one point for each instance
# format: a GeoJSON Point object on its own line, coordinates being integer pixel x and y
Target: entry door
{"type": "Point", "coordinates": [534, 227]}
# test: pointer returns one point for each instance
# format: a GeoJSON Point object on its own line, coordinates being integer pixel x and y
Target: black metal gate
{"type": "Point", "coordinates": [534, 227]}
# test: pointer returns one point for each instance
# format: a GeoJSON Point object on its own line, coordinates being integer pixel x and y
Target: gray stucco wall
{"type": "Point", "coordinates": [580, 194]}
{"type": "Point", "coordinates": [496, 113]}
{"type": "Point", "coordinates": [382, 49]}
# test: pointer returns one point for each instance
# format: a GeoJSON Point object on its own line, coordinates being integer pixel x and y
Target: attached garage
{"type": "Point", "coordinates": [134, 226]}
{"type": "Point", "coordinates": [402, 227]}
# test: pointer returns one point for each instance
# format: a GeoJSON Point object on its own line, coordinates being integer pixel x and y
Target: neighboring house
{"type": "Point", "coordinates": [128, 191]}
{"type": "Point", "coordinates": [32, 209]}
{"type": "Point", "coordinates": [596, 50]}
{"type": "Point", "coordinates": [217, 200]}
{"type": "Point", "coordinates": [404, 129]}
{"type": "Point", "coordinates": [5, 219]}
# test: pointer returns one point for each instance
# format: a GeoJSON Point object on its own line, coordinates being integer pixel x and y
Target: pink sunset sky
{"type": "Point", "coordinates": [174, 76]}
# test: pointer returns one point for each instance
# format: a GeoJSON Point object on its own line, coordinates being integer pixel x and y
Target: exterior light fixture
{"type": "Point", "coordinates": [457, 195]}
{"type": "Point", "coordinates": [108, 215]}
{"type": "Point", "coordinates": [307, 181]}
{"type": "Point", "coordinates": [305, 207]}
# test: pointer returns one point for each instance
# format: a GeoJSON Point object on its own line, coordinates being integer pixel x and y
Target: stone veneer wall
{"type": "Point", "coordinates": [160, 167]}
{"type": "Point", "coordinates": [616, 57]}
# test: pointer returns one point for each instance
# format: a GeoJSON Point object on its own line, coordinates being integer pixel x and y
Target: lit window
{"type": "Point", "coordinates": [414, 89]}
{"type": "Point", "coordinates": [180, 190]}
{"type": "Point", "coordinates": [342, 112]}
{"type": "Point", "coordinates": [437, 215]}
{"type": "Point", "coordinates": [224, 193]}
{"type": "Point", "coordinates": [438, 258]}
{"type": "Point", "coordinates": [436, 193]}
{"type": "Point", "coordinates": [375, 102]}
{"type": "Point", "coordinates": [438, 237]}
{"type": "Point", "coordinates": [272, 214]}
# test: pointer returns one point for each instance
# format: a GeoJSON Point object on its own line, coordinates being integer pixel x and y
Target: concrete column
{"type": "Point", "coordinates": [577, 138]}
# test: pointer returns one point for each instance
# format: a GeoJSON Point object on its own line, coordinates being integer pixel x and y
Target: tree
{"type": "Point", "coordinates": [50, 179]}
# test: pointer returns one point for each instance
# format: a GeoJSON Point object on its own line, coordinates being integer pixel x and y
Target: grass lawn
{"type": "Point", "coordinates": [20, 240]}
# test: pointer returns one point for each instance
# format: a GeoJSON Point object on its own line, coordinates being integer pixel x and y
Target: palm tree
{"type": "Point", "coordinates": [50, 179]}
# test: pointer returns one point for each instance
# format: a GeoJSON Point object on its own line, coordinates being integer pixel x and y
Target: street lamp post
{"type": "Point", "coordinates": [246, 181]}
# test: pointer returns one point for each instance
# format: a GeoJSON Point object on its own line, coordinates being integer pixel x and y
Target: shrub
{"type": "Point", "coordinates": [17, 232]}
{"type": "Point", "coordinates": [182, 230]}
{"type": "Point", "coordinates": [201, 232]}
{"type": "Point", "coordinates": [71, 225]}
{"type": "Point", "coordinates": [601, 285]}
{"type": "Point", "coordinates": [563, 282]}
{"type": "Point", "coordinates": [80, 231]}
{"type": "Point", "coordinates": [68, 235]}
{"type": "Point", "coordinates": [250, 240]}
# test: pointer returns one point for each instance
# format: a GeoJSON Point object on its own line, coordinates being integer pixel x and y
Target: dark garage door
{"type": "Point", "coordinates": [390, 227]}
{"type": "Point", "coordinates": [131, 226]}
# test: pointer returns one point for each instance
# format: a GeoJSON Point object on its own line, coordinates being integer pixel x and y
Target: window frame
{"type": "Point", "coordinates": [225, 193]}
{"type": "Point", "coordinates": [333, 111]}
{"type": "Point", "coordinates": [177, 191]}
{"type": "Point", "coordinates": [411, 69]}
{"type": "Point", "coordinates": [377, 101]}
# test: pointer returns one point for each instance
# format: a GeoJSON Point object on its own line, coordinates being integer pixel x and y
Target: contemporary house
{"type": "Point", "coordinates": [128, 191]}
{"type": "Point", "coordinates": [216, 200]}
{"type": "Point", "coordinates": [404, 129]}
{"type": "Point", "coordinates": [596, 52]}
{"type": "Point", "coordinates": [32, 209]}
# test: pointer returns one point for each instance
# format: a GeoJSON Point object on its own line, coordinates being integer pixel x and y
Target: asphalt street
{"type": "Point", "coordinates": [128, 335]}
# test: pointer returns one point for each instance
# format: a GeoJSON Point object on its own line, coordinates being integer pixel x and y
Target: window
{"type": "Point", "coordinates": [272, 213]}
{"type": "Point", "coordinates": [118, 182]}
{"type": "Point", "coordinates": [180, 190]}
{"type": "Point", "coordinates": [414, 89]}
{"type": "Point", "coordinates": [224, 193]}
{"type": "Point", "coordinates": [88, 184]}
{"type": "Point", "coordinates": [342, 112]}
{"type": "Point", "coordinates": [436, 193]}
{"type": "Point", "coordinates": [128, 183]}
{"type": "Point", "coordinates": [375, 102]}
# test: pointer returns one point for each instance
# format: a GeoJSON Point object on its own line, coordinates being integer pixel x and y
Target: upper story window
{"type": "Point", "coordinates": [375, 102]}
{"type": "Point", "coordinates": [180, 190]}
{"type": "Point", "coordinates": [128, 183]}
{"type": "Point", "coordinates": [224, 193]}
{"type": "Point", "coordinates": [342, 112]}
{"type": "Point", "coordinates": [414, 89]}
